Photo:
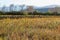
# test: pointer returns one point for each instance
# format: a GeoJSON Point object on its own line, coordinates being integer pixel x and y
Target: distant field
{"type": "Point", "coordinates": [29, 16]}
{"type": "Point", "coordinates": [47, 28]}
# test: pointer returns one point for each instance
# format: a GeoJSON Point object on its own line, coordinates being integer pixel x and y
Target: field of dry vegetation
{"type": "Point", "coordinates": [30, 28]}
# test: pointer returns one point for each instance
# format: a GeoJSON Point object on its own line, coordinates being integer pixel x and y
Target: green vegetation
{"type": "Point", "coordinates": [27, 13]}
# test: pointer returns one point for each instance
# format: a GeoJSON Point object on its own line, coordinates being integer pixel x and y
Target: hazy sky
{"type": "Point", "coordinates": [30, 2]}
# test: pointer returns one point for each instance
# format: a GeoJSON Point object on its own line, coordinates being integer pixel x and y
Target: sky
{"type": "Point", "coordinates": [40, 3]}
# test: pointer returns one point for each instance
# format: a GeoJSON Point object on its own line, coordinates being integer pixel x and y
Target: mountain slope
{"type": "Point", "coordinates": [46, 8]}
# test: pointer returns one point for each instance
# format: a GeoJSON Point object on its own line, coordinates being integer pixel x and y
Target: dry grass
{"type": "Point", "coordinates": [31, 28]}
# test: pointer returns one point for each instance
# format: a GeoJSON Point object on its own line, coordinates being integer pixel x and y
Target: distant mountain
{"type": "Point", "coordinates": [19, 7]}
{"type": "Point", "coordinates": [51, 6]}
{"type": "Point", "coordinates": [46, 8]}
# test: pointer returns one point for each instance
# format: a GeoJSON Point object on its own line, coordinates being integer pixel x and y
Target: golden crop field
{"type": "Point", "coordinates": [30, 28]}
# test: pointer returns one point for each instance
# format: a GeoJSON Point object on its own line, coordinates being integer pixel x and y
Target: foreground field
{"type": "Point", "coordinates": [30, 29]}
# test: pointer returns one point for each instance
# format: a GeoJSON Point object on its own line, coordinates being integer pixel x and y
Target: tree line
{"type": "Point", "coordinates": [28, 13]}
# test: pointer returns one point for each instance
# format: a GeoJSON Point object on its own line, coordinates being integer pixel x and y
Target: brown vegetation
{"type": "Point", "coordinates": [30, 28]}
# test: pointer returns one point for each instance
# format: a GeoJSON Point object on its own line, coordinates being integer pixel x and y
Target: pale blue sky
{"type": "Point", "coordinates": [40, 3]}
